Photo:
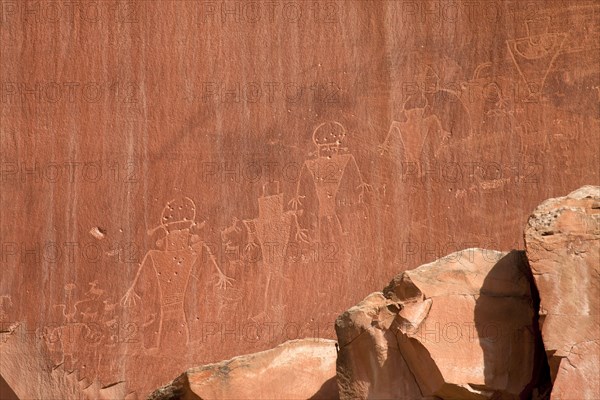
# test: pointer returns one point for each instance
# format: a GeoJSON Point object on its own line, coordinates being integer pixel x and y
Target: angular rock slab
{"type": "Point", "coordinates": [297, 369]}
{"type": "Point", "coordinates": [369, 363]}
{"type": "Point", "coordinates": [462, 327]}
{"type": "Point", "coordinates": [563, 247]}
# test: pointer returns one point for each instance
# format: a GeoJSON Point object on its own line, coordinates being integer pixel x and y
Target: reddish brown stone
{"type": "Point", "coordinates": [29, 372]}
{"type": "Point", "coordinates": [462, 327]}
{"type": "Point", "coordinates": [563, 247]}
{"type": "Point", "coordinates": [326, 147]}
{"type": "Point", "coordinates": [299, 369]}
{"type": "Point", "coordinates": [369, 363]}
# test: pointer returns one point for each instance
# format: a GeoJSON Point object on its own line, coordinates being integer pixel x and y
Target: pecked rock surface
{"type": "Point", "coordinates": [562, 238]}
{"type": "Point", "coordinates": [297, 369]}
{"type": "Point", "coordinates": [462, 327]}
{"type": "Point", "coordinates": [26, 373]}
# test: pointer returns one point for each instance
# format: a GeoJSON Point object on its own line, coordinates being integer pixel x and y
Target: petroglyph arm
{"type": "Point", "coordinates": [296, 201]}
{"type": "Point", "coordinates": [131, 297]}
{"type": "Point", "coordinates": [385, 146]}
{"type": "Point", "coordinates": [223, 280]}
{"type": "Point", "coordinates": [363, 186]}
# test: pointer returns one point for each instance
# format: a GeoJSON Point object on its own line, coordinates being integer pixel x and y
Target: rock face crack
{"type": "Point", "coordinates": [112, 384]}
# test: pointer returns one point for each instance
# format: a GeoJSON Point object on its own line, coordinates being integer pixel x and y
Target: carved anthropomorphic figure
{"type": "Point", "coordinates": [534, 55]}
{"type": "Point", "coordinates": [335, 179]}
{"type": "Point", "coordinates": [172, 266]}
{"type": "Point", "coordinates": [270, 231]}
{"type": "Point", "coordinates": [431, 120]}
{"type": "Point", "coordinates": [257, 248]}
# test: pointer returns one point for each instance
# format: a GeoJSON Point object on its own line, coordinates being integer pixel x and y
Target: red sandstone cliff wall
{"type": "Point", "coordinates": [446, 124]}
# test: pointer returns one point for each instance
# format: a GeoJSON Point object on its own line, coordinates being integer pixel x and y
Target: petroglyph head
{"type": "Point", "coordinates": [329, 138]}
{"type": "Point", "coordinates": [428, 79]}
{"type": "Point", "coordinates": [178, 213]}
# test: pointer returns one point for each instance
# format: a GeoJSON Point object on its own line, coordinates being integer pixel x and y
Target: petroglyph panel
{"type": "Point", "coordinates": [182, 182]}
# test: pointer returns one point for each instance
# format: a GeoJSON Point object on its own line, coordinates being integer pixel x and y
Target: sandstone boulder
{"type": "Point", "coordinates": [369, 363]}
{"type": "Point", "coordinates": [462, 327]}
{"type": "Point", "coordinates": [297, 369]}
{"type": "Point", "coordinates": [563, 247]}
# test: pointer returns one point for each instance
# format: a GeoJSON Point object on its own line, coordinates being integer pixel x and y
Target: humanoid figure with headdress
{"type": "Point", "coordinates": [172, 266]}
{"type": "Point", "coordinates": [332, 178]}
